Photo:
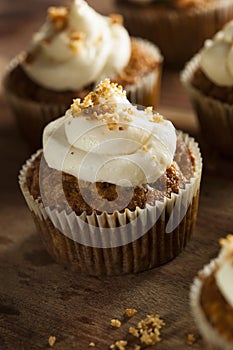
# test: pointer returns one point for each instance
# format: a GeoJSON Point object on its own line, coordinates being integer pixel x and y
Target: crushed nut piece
{"type": "Point", "coordinates": [191, 339]}
{"type": "Point", "coordinates": [137, 347]}
{"type": "Point", "coordinates": [149, 110]}
{"type": "Point", "coordinates": [77, 35]}
{"type": "Point", "coordinates": [92, 344]}
{"type": "Point", "coordinates": [115, 323]}
{"type": "Point", "coordinates": [58, 16]}
{"type": "Point", "coordinates": [52, 341]}
{"type": "Point", "coordinates": [157, 118]}
{"type": "Point", "coordinates": [134, 331]}
{"type": "Point", "coordinates": [105, 90]}
{"type": "Point", "coordinates": [116, 18]}
{"type": "Point", "coordinates": [121, 344]}
{"type": "Point", "coordinates": [130, 312]}
{"type": "Point", "coordinates": [148, 330]}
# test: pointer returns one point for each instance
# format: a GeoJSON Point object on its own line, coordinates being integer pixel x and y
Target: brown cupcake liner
{"type": "Point", "coordinates": [215, 117]}
{"type": "Point", "coordinates": [110, 244]}
{"type": "Point", "coordinates": [211, 335]}
{"type": "Point", "coordinates": [179, 33]}
{"type": "Point", "coordinates": [32, 116]}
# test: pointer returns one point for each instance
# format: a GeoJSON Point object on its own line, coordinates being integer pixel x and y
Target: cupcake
{"type": "Point", "coordinates": [178, 27]}
{"type": "Point", "coordinates": [212, 299]}
{"type": "Point", "coordinates": [115, 188]}
{"type": "Point", "coordinates": [208, 78]}
{"type": "Point", "coordinates": [75, 49]}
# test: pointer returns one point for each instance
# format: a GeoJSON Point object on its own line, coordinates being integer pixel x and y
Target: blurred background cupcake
{"type": "Point", "coordinates": [178, 27]}
{"type": "Point", "coordinates": [208, 78]}
{"type": "Point", "coordinates": [71, 52]}
{"type": "Point", "coordinates": [212, 299]}
{"type": "Point", "coordinates": [115, 189]}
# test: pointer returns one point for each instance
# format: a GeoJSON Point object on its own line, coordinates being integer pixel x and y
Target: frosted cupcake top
{"type": "Point", "coordinates": [77, 46]}
{"type": "Point", "coordinates": [216, 58]}
{"type": "Point", "coordinates": [224, 274]}
{"type": "Point", "coordinates": [107, 139]}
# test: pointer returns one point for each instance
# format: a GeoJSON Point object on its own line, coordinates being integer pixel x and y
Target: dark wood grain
{"type": "Point", "coordinates": [39, 298]}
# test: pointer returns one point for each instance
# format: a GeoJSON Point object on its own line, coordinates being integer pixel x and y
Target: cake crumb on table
{"type": "Point", "coordinates": [52, 341]}
{"type": "Point", "coordinates": [191, 339]}
{"type": "Point", "coordinates": [115, 323]}
{"type": "Point", "coordinates": [130, 312]}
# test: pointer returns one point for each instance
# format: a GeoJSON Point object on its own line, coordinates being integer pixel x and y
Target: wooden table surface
{"type": "Point", "coordinates": [39, 298]}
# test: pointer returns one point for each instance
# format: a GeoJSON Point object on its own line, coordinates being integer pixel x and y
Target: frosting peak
{"type": "Point", "coordinates": [224, 274]}
{"type": "Point", "coordinates": [76, 47]}
{"type": "Point", "coordinates": [107, 139]}
{"type": "Point", "coordinates": [217, 57]}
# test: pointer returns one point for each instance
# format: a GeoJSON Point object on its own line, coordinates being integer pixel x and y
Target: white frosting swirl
{"type": "Point", "coordinates": [216, 58]}
{"type": "Point", "coordinates": [224, 274]}
{"type": "Point", "coordinates": [107, 139]}
{"type": "Point", "coordinates": [76, 47]}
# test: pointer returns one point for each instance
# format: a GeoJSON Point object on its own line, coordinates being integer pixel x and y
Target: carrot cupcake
{"type": "Point", "coordinates": [178, 27]}
{"type": "Point", "coordinates": [208, 78]}
{"type": "Point", "coordinates": [71, 52]}
{"type": "Point", "coordinates": [115, 188]}
{"type": "Point", "coordinates": [212, 299]}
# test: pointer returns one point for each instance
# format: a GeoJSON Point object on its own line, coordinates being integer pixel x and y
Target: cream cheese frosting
{"type": "Point", "coordinates": [77, 46]}
{"type": "Point", "coordinates": [216, 58]}
{"type": "Point", "coordinates": [107, 139]}
{"type": "Point", "coordinates": [224, 274]}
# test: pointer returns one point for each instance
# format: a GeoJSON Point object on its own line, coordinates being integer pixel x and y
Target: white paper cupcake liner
{"type": "Point", "coordinates": [215, 117]}
{"type": "Point", "coordinates": [120, 242]}
{"type": "Point", "coordinates": [178, 33]}
{"type": "Point", "coordinates": [211, 336]}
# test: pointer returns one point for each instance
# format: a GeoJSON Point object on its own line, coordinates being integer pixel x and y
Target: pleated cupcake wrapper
{"type": "Point", "coordinates": [32, 116]}
{"type": "Point", "coordinates": [215, 117]}
{"type": "Point", "coordinates": [124, 248]}
{"type": "Point", "coordinates": [178, 33]}
{"type": "Point", "coordinates": [211, 336]}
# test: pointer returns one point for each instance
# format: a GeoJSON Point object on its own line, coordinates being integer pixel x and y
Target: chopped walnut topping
{"type": "Point", "coordinates": [120, 344]}
{"type": "Point", "coordinates": [58, 16]}
{"type": "Point", "coordinates": [134, 331]}
{"type": "Point", "coordinates": [75, 45]}
{"type": "Point", "coordinates": [148, 329]}
{"type": "Point", "coordinates": [224, 241]}
{"type": "Point", "coordinates": [149, 110]}
{"type": "Point", "coordinates": [116, 18]}
{"type": "Point", "coordinates": [157, 118]}
{"type": "Point", "coordinates": [92, 344]}
{"type": "Point", "coordinates": [137, 347]}
{"type": "Point", "coordinates": [52, 341]}
{"type": "Point", "coordinates": [191, 339]}
{"type": "Point", "coordinates": [115, 323]}
{"type": "Point", "coordinates": [77, 35]}
{"type": "Point", "coordinates": [104, 90]}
